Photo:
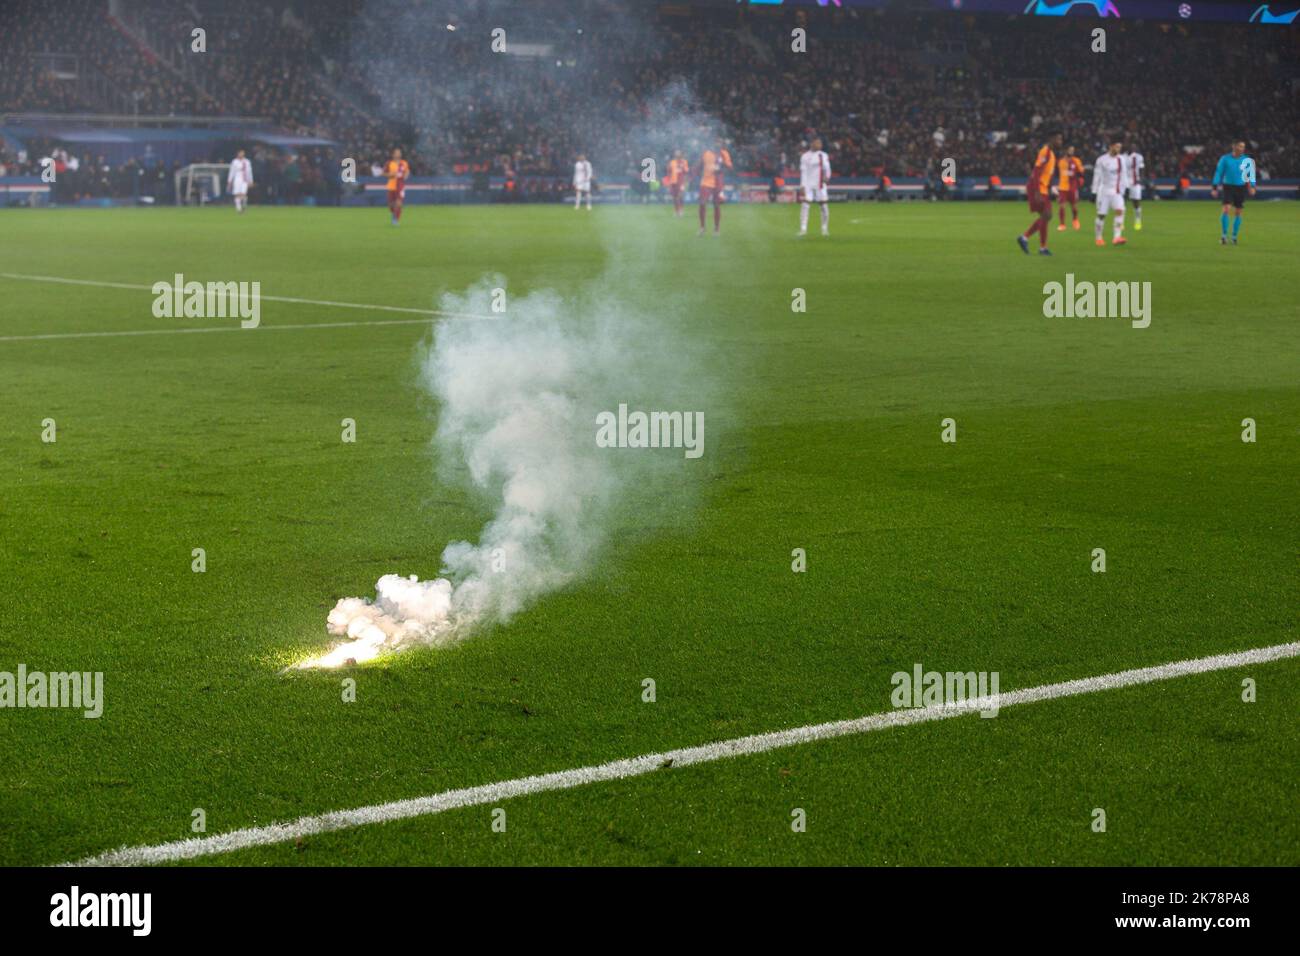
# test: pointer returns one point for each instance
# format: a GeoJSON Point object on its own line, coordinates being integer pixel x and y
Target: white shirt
{"type": "Point", "coordinates": [241, 174]}
{"type": "Point", "coordinates": [1108, 174]}
{"type": "Point", "coordinates": [814, 169]}
{"type": "Point", "coordinates": [582, 173]}
{"type": "Point", "coordinates": [1135, 165]}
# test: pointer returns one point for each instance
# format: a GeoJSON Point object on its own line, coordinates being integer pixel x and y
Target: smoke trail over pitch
{"type": "Point", "coordinates": [519, 395]}
{"type": "Point", "coordinates": [518, 398]}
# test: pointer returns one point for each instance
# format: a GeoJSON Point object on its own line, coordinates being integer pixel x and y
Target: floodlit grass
{"type": "Point", "coordinates": [1073, 434]}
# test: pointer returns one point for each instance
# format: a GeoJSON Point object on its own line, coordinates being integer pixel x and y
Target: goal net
{"type": "Point", "coordinates": [200, 183]}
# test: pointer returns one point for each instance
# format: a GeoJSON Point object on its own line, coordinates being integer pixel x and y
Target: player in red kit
{"type": "Point", "coordinates": [397, 172]}
{"type": "Point", "coordinates": [1039, 189]}
{"type": "Point", "coordinates": [713, 165]}
{"type": "Point", "coordinates": [1070, 172]}
{"type": "Point", "coordinates": [678, 171]}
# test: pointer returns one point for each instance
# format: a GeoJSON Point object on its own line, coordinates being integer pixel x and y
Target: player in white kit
{"type": "Point", "coordinates": [814, 177]}
{"type": "Point", "coordinates": [1136, 169]}
{"type": "Point", "coordinates": [581, 182]}
{"type": "Point", "coordinates": [1109, 178]}
{"type": "Point", "coordinates": [239, 180]}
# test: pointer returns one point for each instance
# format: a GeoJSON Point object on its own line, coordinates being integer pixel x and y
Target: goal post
{"type": "Point", "coordinates": [200, 183]}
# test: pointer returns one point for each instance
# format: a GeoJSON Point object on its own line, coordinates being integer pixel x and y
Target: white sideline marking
{"type": "Point", "coordinates": [214, 328]}
{"type": "Point", "coordinates": [648, 763]}
{"type": "Point", "coordinates": [432, 313]}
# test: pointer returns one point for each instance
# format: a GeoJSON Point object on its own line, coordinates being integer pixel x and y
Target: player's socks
{"type": "Point", "coordinates": [1099, 228]}
{"type": "Point", "coordinates": [703, 221]}
{"type": "Point", "coordinates": [1117, 235]}
{"type": "Point", "coordinates": [803, 217]}
{"type": "Point", "coordinates": [826, 219]}
{"type": "Point", "coordinates": [1223, 222]}
{"type": "Point", "coordinates": [717, 218]}
{"type": "Point", "coordinates": [1236, 227]}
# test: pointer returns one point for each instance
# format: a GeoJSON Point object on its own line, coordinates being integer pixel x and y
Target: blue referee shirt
{"type": "Point", "coordinates": [1234, 170]}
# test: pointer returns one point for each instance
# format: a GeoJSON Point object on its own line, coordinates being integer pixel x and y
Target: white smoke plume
{"type": "Point", "coordinates": [518, 393]}
{"type": "Point", "coordinates": [518, 397]}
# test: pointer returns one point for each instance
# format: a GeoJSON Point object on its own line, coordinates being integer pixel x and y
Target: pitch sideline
{"type": "Point", "coordinates": [62, 280]}
{"type": "Point", "coordinates": [648, 763]}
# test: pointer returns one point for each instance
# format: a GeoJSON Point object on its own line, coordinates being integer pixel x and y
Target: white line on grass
{"type": "Point", "coordinates": [215, 328]}
{"type": "Point", "coordinates": [432, 313]}
{"type": "Point", "coordinates": [649, 763]}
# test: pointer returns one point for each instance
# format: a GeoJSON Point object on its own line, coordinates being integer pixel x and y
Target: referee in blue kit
{"type": "Point", "coordinates": [1236, 174]}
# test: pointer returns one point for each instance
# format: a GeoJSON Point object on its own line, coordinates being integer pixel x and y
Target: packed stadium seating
{"type": "Point", "coordinates": [890, 92]}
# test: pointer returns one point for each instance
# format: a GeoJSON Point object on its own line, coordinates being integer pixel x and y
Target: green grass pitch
{"type": "Point", "coordinates": [1072, 434]}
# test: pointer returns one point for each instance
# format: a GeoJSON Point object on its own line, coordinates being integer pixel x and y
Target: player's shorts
{"type": "Point", "coordinates": [1135, 193]}
{"type": "Point", "coordinates": [1235, 195]}
{"type": "Point", "coordinates": [239, 189]}
{"type": "Point", "coordinates": [675, 189]}
{"type": "Point", "coordinates": [814, 194]}
{"type": "Point", "coordinates": [1070, 195]}
{"type": "Point", "coordinates": [1040, 202]}
{"type": "Point", "coordinates": [710, 194]}
{"type": "Point", "coordinates": [1110, 202]}
{"type": "Point", "coordinates": [583, 187]}
{"type": "Point", "coordinates": [396, 195]}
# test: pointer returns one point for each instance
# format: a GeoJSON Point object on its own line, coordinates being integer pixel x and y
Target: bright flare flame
{"type": "Point", "coordinates": [405, 611]}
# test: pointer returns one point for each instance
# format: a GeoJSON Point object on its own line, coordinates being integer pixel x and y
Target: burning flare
{"type": "Point", "coordinates": [405, 611]}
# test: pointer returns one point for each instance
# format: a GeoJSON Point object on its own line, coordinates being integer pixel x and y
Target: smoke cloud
{"type": "Point", "coordinates": [518, 394]}
{"type": "Point", "coordinates": [518, 398]}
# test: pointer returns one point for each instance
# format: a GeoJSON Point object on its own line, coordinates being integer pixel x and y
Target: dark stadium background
{"type": "Point", "coordinates": [110, 90]}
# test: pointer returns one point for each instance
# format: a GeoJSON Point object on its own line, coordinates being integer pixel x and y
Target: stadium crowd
{"type": "Point", "coordinates": [891, 93]}
{"type": "Point", "coordinates": [83, 29]}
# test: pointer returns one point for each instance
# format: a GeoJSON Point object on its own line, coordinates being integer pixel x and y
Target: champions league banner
{"type": "Point", "coordinates": [1273, 13]}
